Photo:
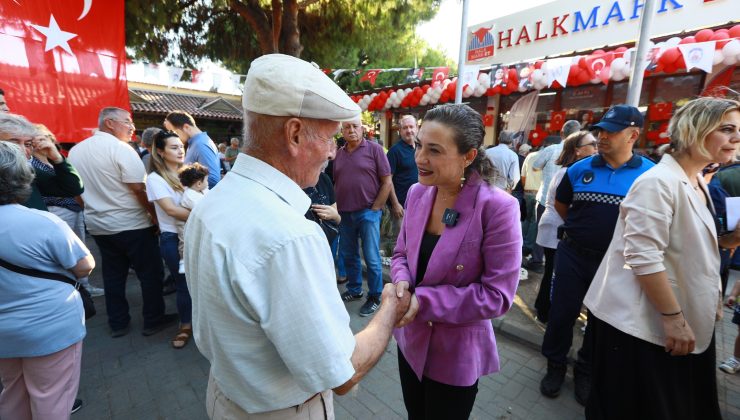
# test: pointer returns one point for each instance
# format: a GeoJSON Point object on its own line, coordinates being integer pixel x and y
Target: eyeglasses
{"type": "Point", "coordinates": [591, 143]}
{"type": "Point", "coordinates": [126, 123]}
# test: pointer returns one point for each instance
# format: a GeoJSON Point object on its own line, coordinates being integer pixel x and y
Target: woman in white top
{"type": "Point", "coordinates": [656, 295]}
{"type": "Point", "coordinates": [163, 188]}
{"type": "Point", "coordinates": [576, 146]}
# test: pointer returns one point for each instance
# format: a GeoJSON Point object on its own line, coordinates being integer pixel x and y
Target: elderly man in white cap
{"type": "Point", "coordinates": [266, 311]}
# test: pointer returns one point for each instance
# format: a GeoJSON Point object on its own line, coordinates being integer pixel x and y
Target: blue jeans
{"type": "Point", "coordinates": [168, 247]}
{"type": "Point", "coordinates": [137, 248]}
{"type": "Point", "coordinates": [338, 261]}
{"type": "Point", "coordinates": [361, 226]}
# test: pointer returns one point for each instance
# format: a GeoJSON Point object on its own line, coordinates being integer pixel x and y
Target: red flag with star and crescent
{"type": "Point", "coordinates": [370, 76]}
{"type": "Point", "coordinates": [63, 61]}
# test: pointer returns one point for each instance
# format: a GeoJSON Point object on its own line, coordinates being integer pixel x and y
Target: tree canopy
{"type": "Point", "coordinates": [332, 33]}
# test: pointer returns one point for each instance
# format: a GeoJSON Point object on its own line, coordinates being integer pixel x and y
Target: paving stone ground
{"type": "Point", "coordinates": [141, 378]}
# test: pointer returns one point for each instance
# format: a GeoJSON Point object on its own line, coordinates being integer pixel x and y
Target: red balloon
{"type": "Point", "coordinates": [669, 69]}
{"type": "Point", "coordinates": [704, 35]}
{"type": "Point", "coordinates": [598, 52]}
{"type": "Point", "coordinates": [718, 36]}
{"type": "Point", "coordinates": [669, 56]}
{"type": "Point", "coordinates": [425, 88]}
{"type": "Point", "coordinates": [688, 40]}
{"type": "Point", "coordinates": [723, 31]}
{"type": "Point", "coordinates": [538, 64]}
{"type": "Point", "coordinates": [491, 91]}
{"type": "Point", "coordinates": [680, 63]}
{"type": "Point", "coordinates": [417, 90]}
{"type": "Point", "coordinates": [582, 63]}
{"type": "Point", "coordinates": [735, 31]}
{"type": "Point", "coordinates": [556, 85]}
{"type": "Point", "coordinates": [444, 97]}
{"type": "Point", "coordinates": [621, 49]}
{"type": "Point", "coordinates": [659, 67]}
{"type": "Point", "coordinates": [583, 77]}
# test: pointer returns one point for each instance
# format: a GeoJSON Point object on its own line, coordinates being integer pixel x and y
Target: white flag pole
{"type": "Point", "coordinates": [461, 56]}
{"type": "Point", "coordinates": [638, 64]}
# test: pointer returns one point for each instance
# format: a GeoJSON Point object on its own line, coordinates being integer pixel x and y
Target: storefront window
{"type": "Point", "coordinates": [677, 89]}
{"type": "Point", "coordinates": [619, 92]}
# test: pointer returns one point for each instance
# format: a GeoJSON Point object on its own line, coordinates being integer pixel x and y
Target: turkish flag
{"type": "Point", "coordinates": [370, 76]}
{"type": "Point", "coordinates": [599, 66]}
{"type": "Point", "coordinates": [439, 75]}
{"type": "Point", "coordinates": [557, 119]}
{"type": "Point", "coordinates": [62, 62]}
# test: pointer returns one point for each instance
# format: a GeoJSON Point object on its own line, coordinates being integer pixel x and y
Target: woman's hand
{"type": "Point", "coordinates": [402, 287]}
{"type": "Point", "coordinates": [679, 337]}
{"type": "Point", "coordinates": [326, 212]}
{"type": "Point", "coordinates": [45, 146]}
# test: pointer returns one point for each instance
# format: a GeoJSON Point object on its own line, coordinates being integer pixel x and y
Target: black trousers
{"type": "Point", "coordinates": [634, 379]}
{"type": "Point", "coordinates": [573, 274]}
{"type": "Point", "coordinates": [542, 303]}
{"type": "Point", "coordinates": [432, 400]}
{"type": "Point", "coordinates": [140, 249]}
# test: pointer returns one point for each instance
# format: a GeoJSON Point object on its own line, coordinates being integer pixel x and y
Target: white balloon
{"type": "Point", "coordinates": [718, 57]}
{"type": "Point", "coordinates": [672, 42]}
{"type": "Point", "coordinates": [731, 51]}
{"type": "Point", "coordinates": [467, 92]}
{"type": "Point", "coordinates": [407, 91]}
{"type": "Point", "coordinates": [438, 91]}
{"type": "Point", "coordinates": [479, 91]}
{"type": "Point", "coordinates": [400, 94]}
{"type": "Point", "coordinates": [387, 104]}
{"type": "Point", "coordinates": [618, 64]}
{"type": "Point", "coordinates": [595, 80]}
{"type": "Point", "coordinates": [539, 84]}
{"type": "Point", "coordinates": [373, 95]}
{"type": "Point", "coordinates": [424, 100]}
{"type": "Point", "coordinates": [538, 75]}
{"type": "Point", "coordinates": [484, 79]}
{"type": "Point", "coordinates": [522, 88]}
{"type": "Point", "coordinates": [617, 76]}
{"type": "Point", "coordinates": [393, 96]}
{"type": "Point", "coordinates": [446, 82]}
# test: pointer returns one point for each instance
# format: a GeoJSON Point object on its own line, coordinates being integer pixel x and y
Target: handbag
{"type": "Point", "coordinates": [87, 302]}
{"type": "Point", "coordinates": [330, 228]}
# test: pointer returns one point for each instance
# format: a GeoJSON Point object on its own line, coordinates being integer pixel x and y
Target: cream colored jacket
{"type": "Point", "coordinates": [662, 226]}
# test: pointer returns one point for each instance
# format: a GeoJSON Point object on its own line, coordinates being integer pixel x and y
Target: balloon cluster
{"type": "Point", "coordinates": [669, 60]}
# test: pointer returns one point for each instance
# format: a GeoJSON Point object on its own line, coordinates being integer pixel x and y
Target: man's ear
{"type": "Point", "coordinates": [293, 130]}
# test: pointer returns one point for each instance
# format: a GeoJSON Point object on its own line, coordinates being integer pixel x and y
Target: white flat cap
{"type": "Point", "coordinates": [286, 86]}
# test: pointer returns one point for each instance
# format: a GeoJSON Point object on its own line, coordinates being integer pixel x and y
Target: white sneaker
{"type": "Point", "coordinates": [730, 365]}
{"type": "Point", "coordinates": [95, 291]}
{"type": "Point", "coordinates": [181, 267]}
{"type": "Point", "coordinates": [523, 274]}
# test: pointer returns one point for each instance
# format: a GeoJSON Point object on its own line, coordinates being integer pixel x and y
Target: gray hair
{"type": "Point", "coordinates": [234, 139]}
{"type": "Point", "coordinates": [16, 174]}
{"type": "Point", "coordinates": [570, 127]}
{"type": "Point", "coordinates": [506, 137]}
{"type": "Point", "coordinates": [147, 136]}
{"type": "Point", "coordinates": [14, 125]}
{"type": "Point", "coordinates": [108, 113]}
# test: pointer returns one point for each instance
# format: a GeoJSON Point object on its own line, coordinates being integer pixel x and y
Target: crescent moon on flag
{"type": "Point", "coordinates": [598, 61]}
{"type": "Point", "coordinates": [85, 9]}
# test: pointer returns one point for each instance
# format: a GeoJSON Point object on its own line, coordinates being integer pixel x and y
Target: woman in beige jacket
{"type": "Point", "coordinates": [655, 296]}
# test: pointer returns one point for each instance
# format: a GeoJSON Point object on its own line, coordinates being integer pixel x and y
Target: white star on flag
{"type": "Point", "coordinates": [55, 37]}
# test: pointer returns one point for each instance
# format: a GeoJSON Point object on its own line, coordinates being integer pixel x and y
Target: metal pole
{"type": "Point", "coordinates": [461, 56]}
{"type": "Point", "coordinates": [638, 63]}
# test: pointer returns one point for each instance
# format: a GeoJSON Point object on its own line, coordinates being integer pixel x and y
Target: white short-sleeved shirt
{"type": "Point", "coordinates": [191, 197]}
{"type": "Point", "coordinates": [547, 229]}
{"type": "Point", "coordinates": [106, 165]}
{"type": "Point", "coordinates": [38, 316]}
{"type": "Point", "coordinates": [156, 189]}
{"type": "Point", "coordinates": [266, 310]}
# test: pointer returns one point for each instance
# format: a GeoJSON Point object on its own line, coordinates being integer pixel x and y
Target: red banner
{"type": "Point", "coordinates": [62, 62]}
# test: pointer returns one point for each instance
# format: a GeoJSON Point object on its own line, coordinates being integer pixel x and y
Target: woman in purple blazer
{"type": "Point", "coordinates": [458, 252]}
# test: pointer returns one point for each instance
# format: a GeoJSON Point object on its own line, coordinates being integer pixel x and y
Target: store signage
{"type": "Point", "coordinates": [565, 26]}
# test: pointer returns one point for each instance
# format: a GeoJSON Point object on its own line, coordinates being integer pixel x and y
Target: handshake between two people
{"type": "Point", "coordinates": [404, 301]}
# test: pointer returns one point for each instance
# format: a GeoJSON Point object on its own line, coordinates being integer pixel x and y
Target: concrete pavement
{"type": "Point", "coordinates": [140, 378]}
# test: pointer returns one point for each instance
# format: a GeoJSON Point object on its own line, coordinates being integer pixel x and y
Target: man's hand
{"type": "Point", "coordinates": [730, 240]}
{"type": "Point", "coordinates": [400, 304]}
{"type": "Point", "coordinates": [45, 146]}
{"type": "Point", "coordinates": [397, 210]}
{"type": "Point", "coordinates": [402, 291]}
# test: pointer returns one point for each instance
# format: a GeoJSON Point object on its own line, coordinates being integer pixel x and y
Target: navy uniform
{"type": "Point", "coordinates": [593, 190]}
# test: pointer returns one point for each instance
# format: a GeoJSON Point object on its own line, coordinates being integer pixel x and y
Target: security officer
{"type": "Point", "coordinates": [588, 200]}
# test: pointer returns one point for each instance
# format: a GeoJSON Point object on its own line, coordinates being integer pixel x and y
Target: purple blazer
{"type": "Point", "coordinates": [472, 277]}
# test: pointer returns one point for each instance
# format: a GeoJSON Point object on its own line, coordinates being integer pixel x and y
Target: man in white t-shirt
{"type": "Point", "coordinates": [266, 310]}
{"type": "Point", "coordinates": [121, 220]}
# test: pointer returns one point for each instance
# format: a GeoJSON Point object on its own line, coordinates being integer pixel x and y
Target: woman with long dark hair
{"type": "Point", "coordinates": [164, 189]}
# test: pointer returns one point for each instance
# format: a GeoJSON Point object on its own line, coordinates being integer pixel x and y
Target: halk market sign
{"type": "Point", "coordinates": [564, 26]}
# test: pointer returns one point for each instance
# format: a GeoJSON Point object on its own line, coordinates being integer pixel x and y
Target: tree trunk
{"type": "Point", "coordinates": [290, 34]}
{"type": "Point", "coordinates": [258, 20]}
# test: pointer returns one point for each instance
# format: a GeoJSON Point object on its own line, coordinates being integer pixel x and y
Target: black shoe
{"type": "Point", "coordinates": [553, 380]}
{"type": "Point", "coordinates": [76, 406]}
{"type": "Point", "coordinates": [538, 268]}
{"type": "Point", "coordinates": [582, 387]}
{"type": "Point", "coordinates": [120, 332]}
{"type": "Point", "coordinates": [349, 296]}
{"type": "Point", "coordinates": [166, 321]}
{"type": "Point", "coordinates": [168, 287]}
{"type": "Point", "coordinates": [370, 306]}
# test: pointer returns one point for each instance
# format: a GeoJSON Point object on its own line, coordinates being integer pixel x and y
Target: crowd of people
{"type": "Point", "coordinates": [644, 246]}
